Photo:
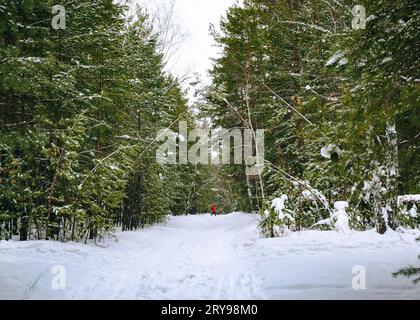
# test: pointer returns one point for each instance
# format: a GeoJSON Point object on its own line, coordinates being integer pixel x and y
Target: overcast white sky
{"type": "Point", "coordinates": [194, 18]}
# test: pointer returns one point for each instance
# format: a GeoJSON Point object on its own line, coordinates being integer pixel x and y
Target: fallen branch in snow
{"type": "Point", "coordinates": [31, 288]}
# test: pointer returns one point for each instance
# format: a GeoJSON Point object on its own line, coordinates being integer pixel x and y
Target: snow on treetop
{"type": "Point", "coordinates": [413, 212]}
{"type": "Point", "coordinates": [387, 59]}
{"type": "Point", "coordinates": [278, 205]}
{"type": "Point", "coordinates": [408, 198]}
{"type": "Point", "coordinates": [341, 205]}
{"type": "Point", "coordinates": [308, 195]}
{"type": "Point", "coordinates": [334, 58]}
{"type": "Point", "coordinates": [341, 217]}
{"type": "Point", "coordinates": [343, 62]}
{"type": "Point", "coordinates": [329, 149]}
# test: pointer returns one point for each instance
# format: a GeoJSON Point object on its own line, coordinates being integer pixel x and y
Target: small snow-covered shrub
{"type": "Point", "coordinates": [408, 214]}
{"type": "Point", "coordinates": [311, 205]}
{"type": "Point", "coordinates": [276, 220]}
{"type": "Point", "coordinates": [339, 219]}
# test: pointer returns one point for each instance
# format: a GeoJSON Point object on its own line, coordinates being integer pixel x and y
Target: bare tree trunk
{"type": "Point", "coordinates": [248, 185]}
{"type": "Point", "coordinates": [251, 126]}
{"type": "Point", "coordinates": [190, 197]}
{"type": "Point", "coordinates": [378, 209]}
{"type": "Point", "coordinates": [51, 195]}
{"type": "Point", "coordinates": [393, 171]}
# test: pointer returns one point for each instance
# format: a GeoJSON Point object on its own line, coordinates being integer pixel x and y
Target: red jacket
{"type": "Point", "coordinates": [213, 209]}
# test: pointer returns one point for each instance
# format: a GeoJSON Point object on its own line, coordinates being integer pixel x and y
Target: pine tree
{"type": "Point", "coordinates": [80, 108]}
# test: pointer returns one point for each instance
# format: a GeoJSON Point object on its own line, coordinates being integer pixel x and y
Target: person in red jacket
{"type": "Point", "coordinates": [213, 209]}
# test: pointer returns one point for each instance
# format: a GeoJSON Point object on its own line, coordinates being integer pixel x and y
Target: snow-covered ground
{"type": "Point", "coordinates": [203, 257]}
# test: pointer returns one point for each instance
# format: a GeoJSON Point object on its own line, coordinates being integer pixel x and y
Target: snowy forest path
{"type": "Point", "coordinates": [199, 256]}
{"type": "Point", "coordinates": [205, 257]}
